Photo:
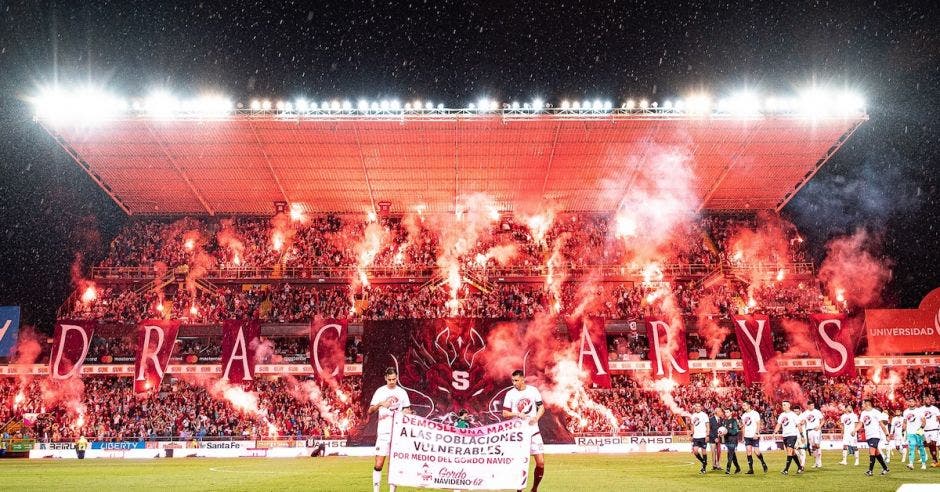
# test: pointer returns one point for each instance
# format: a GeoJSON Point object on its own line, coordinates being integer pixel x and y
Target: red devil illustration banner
{"type": "Point", "coordinates": [756, 343]}
{"type": "Point", "coordinates": [590, 338]}
{"type": "Point", "coordinates": [328, 347]}
{"type": "Point", "coordinates": [239, 341]}
{"type": "Point", "coordinates": [835, 348]}
{"type": "Point", "coordinates": [447, 365]}
{"type": "Point", "coordinates": [155, 341]}
{"type": "Point", "coordinates": [669, 356]}
{"type": "Point", "coordinates": [70, 344]}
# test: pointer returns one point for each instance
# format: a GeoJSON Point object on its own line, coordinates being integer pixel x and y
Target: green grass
{"type": "Point", "coordinates": [646, 472]}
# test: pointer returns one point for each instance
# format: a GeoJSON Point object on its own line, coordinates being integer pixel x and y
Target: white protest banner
{"type": "Point", "coordinates": [426, 453]}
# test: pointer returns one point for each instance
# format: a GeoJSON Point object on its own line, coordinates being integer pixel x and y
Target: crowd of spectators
{"type": "Point", "coordinates": [329, 241]}
{"type": "Point", "coordinates": [108, 409]}
{"type": "Point", "coordinates": [639, 408]}
{"type": "Point", "coordinates": [286, 303]}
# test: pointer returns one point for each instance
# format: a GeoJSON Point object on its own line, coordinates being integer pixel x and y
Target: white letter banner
{"type": "Point", "coordinates": [426, 453]}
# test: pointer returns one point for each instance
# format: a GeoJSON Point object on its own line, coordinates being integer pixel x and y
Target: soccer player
{"type": "Point", "coordinates": [884, 444]}
{"type": "Point", "coordinates": [714, 439]}
{"type": "Point", "coordinates": [814, 420]}
{"type": "Point", "coordinates": [897, 437]}
{"type": "Point", "coordinates": [700, 430]}
{"type": "Point", "coordinates": [875, 432]}
{"type": "Point", "coordinates": [525, 402]}
{"type": "Point", "coordinates": [789, 426]}
{"type": "Point", "coordinates": [732, 432]}
{"type": "Point", "coordinates": [931, 427]}
{"type": "Point", "coordinates": [801, 437]}
{"type": "Point", "coordinates": [849, 421]}
{"type": "Point", "coordinates": [386, 401]}
{"type": "Point", "coordinates": [914, 417]}
{"type": "Point", "coordinates": [752, 425]}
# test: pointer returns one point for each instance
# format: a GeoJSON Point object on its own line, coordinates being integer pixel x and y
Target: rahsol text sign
{"type": "Point", "coordinates": [426, 453]}
{"type": "Point", "coordinates": [905, 331]}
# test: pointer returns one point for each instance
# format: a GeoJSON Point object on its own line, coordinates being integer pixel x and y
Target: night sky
{"type": "Point", "coordinates": [884, 179]}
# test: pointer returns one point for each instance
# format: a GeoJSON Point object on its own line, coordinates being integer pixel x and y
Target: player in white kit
{"type": "Point", "coordinates": [386, 400]}
{"type": "Point", "coordinates": [789, 426]}
{"type": "Point", "coordinates": [525, 402]}
{"type": "Point", "coordinates": [700, 429]}
{"type": "Point", "coordinates": [914, 429]}
{"type": "Point", "coordinates": [849, 421]}
{"type": "Point", "coordinates": [875, 431]}
{"type": "Point", "coordinates": [751, 421]}
{"type": "Point", "coordinates": [813, 419]}
{"type": "Point", "coordinates": [896, 429]}
{"type": "Point", "coordinates": [931, 427]}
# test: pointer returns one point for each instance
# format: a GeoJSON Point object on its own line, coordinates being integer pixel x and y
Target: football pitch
{"type": "Point", "coordinates": [645, 472]}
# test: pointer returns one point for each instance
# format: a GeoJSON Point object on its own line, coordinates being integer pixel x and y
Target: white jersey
{"type": "Point", "coordinates": [913, 418]}
{"type": "Point", "coordinates": [788, 424]}
{"type": "Point", "coordinates": [932, 415]}
{"type": "Point", "coordinates": [699, 425]}
{"type": "Point", "coordinates": [526, 402]}
{"type": "Point", "coordinates": [849, 421]}
{"type": "Point", "coordinates": [750, 420]}
{"type": "Point", "coordinates": [897, 428]}
{"type": "Point", "coordinates": [399, 401]}
{"type": "Point", "coordinates": [871, 420]}
{"type": "Point", "coordinates": [812, 419]}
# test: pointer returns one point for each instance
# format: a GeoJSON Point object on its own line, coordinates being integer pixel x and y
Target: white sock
{"type": "Point", "coordinates": [392, 488]}
{"type": "Point", "coordinates": [376, 480]}
{"type": "Point", "coordinates": [845, 455]}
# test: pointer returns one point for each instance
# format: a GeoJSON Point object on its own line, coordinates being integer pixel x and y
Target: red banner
{"type": "Point", "coordinates": [328, 347]}
{"type": "Point", "coordinates": [905, 331]}
{"type": "Point", "coordinates": [756, 344]}
{"type": "Point", "coordinates": [70, 344]}
{"type": "Point", "coordinates": [591, 337]}
{"type": "Point", "coordinates": [239, 341]}
{"type": "Point", "coordinates": [835, 347]}
{"type": "Point", "coordinates": [669, 356]}
{"type": "Point", "coordinates": [155, 340]}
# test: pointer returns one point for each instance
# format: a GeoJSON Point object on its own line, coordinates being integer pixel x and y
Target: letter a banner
{"type": "Point", "coordinates": [70, 344]}
{"type": "Point", "coordinates": [669, 356]}
{"type": "Point", "coordinates": [155, 341]}
{"type": "Point", "coordinates": [756, 344]}
{"type": "Point", "coordinates": [590, 338]}
{"type": "Point", "coordinates": [239, 340]}
{"type": "Point", "coordinates": [431, 454]}
{"type": "Point", "coordinates": [328, 347]}
{"type": "Point", "coordinates": [835, 349]}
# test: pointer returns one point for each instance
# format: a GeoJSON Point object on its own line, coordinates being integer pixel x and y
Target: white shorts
{"type": "Point", "coordinates": [383, 444]}
{"type": "Point", "coordinates": [898, 443]}
{"type": "Point", "coordinates": [849, 440]}
{"type": "Point", "coordinates": [814, 437]}
{"type": "Point", "coordinates": [536, 446]}
{"type": "Point", "coordinates": [932, 436]}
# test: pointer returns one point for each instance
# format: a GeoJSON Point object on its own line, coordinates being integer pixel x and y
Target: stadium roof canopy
{"type": "Point", "coordinates": [244, 162]}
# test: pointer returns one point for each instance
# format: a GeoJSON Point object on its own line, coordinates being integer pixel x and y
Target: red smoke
{"type": "Point", "coordinates": [854, 271]}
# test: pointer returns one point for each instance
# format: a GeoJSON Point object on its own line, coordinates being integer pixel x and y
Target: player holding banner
{"type": "Point", "coordinates": [525, 402]}
{"type": "Point", "coordinates": [386, 401]}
